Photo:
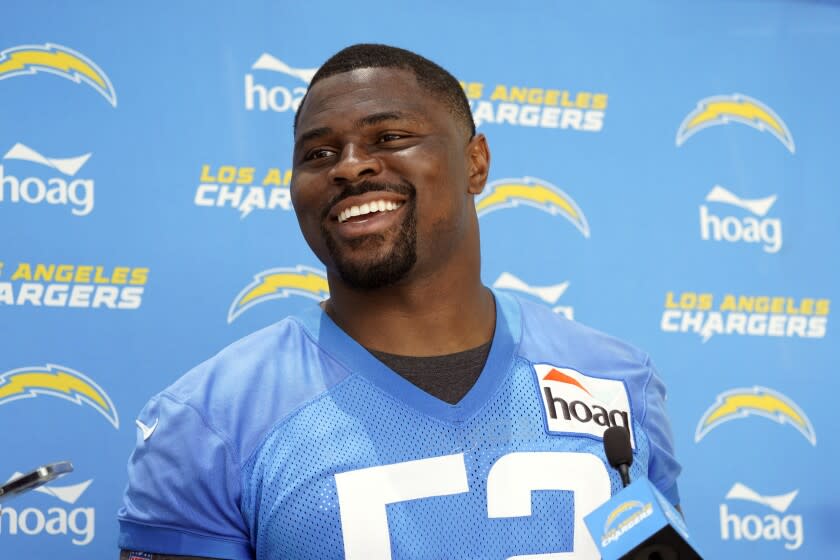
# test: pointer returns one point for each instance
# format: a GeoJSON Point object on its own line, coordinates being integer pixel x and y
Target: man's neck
{"type": "Point", "coordinates": [423, 319]}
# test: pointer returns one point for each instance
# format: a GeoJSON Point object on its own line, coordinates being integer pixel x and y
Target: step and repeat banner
{"type": "Point", "coordinates": [665, 173]}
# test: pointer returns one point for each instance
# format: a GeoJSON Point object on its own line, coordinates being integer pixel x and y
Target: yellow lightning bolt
{"type": "Point", "coordinates": [621, 509]}
{"type": "Point", "coordinates": [766, 403]}
{"type": "Point", "coordinates": [271, 283]}
{"type": "Point", "coordinates": [539, 194]}
{"type": "Point", "coordinates": [56, 58]}
{"type": "Point", "coordinates": [745, 109]}
{"type": "Point", "coordinates": [23, 382]}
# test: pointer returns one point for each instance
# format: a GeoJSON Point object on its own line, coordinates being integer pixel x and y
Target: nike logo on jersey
{"type": "Point", "coordinates": [575, 403]}
{"type": "Point", "coordinates": [147, 430]}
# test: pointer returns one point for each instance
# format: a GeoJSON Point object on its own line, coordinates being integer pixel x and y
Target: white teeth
{"type": "Point", "coordinates": [367, 208]}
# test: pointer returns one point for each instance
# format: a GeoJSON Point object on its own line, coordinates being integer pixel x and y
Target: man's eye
{"type": "Point", "coordinates": [390, 137]}
{"type": "Point", "coordinates": [318, 154]}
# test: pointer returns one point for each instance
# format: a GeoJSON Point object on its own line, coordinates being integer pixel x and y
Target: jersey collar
{"type": "Point", "coordinates": [359, 361]}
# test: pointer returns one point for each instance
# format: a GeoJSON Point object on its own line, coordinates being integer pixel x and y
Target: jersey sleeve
{"type": "Point", "coordinates": [183, 489]}
{"type": "Point", "coordinates": [663, 467]}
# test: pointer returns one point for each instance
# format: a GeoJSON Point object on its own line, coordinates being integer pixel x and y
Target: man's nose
{"type": "Point", "coordinates": [354, 163]}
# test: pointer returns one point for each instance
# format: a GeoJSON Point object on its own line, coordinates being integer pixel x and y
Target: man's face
{"type": "Point", "coordinates": [381, 181]}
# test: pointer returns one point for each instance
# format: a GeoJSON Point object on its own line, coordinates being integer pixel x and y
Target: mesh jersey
{"type": "Point", "coordinates": [295, 442]}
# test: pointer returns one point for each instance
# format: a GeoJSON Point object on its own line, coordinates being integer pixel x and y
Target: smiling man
{"type": "Point", "coordinates": [415, 413]}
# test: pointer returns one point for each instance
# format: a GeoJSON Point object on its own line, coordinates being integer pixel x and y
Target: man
{"type": "Point", "coordinates": [415, 414]}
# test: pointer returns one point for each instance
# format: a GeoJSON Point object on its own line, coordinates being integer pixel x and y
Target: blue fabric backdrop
{"type": "Point", "coordinates": [665, 172]}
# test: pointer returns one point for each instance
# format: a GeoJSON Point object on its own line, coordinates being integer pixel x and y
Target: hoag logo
{"type": "Point", "coordinates": [749, 229]}
{"type": "Point", "coordinates": [547, 294]}
{"type": "Point", "coordinates": [277, 98]}
{"type": "Point", "coordinates": [68, 190]}
{"type": "Point", "coordinates": [57, 520]}
{"type": "Point", "coordinates": [581, 404]}
{"type": "Point", "coordinates": [752, 527]}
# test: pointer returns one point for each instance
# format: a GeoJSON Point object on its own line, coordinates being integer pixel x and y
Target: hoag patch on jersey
{"type": "Point", "coordinates": [575, 403]}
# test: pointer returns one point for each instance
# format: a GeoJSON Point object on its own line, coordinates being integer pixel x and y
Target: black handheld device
{"type": "Point", "coordinates": [34, 479]}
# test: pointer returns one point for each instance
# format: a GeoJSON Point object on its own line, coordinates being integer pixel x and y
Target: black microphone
{"type": "Point", "coordinates": [619, 452]}
{"type": "Point", "coordinates": [638, 522]}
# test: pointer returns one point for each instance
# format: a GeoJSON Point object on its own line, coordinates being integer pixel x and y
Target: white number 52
{"type": "Point", "coordinates": [364, 494]}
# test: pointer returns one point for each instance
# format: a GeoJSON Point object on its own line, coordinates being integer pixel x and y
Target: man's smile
{"type": "Point", "coordinates": [374, 216]}
{"type": "Point", "coordinates": [359, 213]}
{"type": "Point", "coordinates": [358, 207]}
{"type": "Point", "coordinates": [370, 210]}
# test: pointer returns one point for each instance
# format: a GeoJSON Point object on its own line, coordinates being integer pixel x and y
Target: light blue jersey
{"type": "Point", "coordinates": [295, 442]}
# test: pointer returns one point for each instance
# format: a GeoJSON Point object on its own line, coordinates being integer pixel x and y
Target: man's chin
{"type": "Point", "coordinates": [372, 245]}
{"type": "Point", "coordinates": [373, 274]}
{"type": "Point", "coordinates": [375, 261]}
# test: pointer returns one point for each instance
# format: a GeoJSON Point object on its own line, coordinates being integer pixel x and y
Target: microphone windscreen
{"type": "Point", "coordinates": [617, 446]}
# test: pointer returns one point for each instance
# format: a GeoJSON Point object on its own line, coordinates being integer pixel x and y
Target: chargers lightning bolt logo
{"type": "Point", "coordinates": [534, 192]}
{"type": "Point", "coordinates": [57, 381]}
{"type": "Point", "coordinates": [277, 283]}
{"type": "Point", "coordinates": [723, 109]}
{"type": "Point", "coordinates": [58, 60]}
{"type": "Point", "coordinates": [755, 401]}
{"type": "Point", "coordinates": [622, 508]}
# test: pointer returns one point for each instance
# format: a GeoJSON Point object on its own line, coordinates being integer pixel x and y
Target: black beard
{"type": "Point", "coordinates": [379, 271]}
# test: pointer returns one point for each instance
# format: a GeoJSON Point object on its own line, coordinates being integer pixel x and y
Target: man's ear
{"type": "Point", "coordinates": [478, 155]}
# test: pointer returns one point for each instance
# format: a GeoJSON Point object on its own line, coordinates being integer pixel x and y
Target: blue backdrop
{"type": "Point", "coordinates": [665, 172]}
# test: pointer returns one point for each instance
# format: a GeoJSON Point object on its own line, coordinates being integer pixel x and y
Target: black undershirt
{"type": "Point", "coordinates": [447, 377]}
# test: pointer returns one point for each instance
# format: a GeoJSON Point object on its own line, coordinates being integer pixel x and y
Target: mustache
{"type": "Point", "coordinates": [405, 189]}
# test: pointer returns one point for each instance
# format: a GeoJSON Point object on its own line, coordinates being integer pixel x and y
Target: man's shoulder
{"type": "Point", "coordinates": [256, 382]}
{"type": "Point", "coordinates": [551, 339]}
{"type": "Point", "coordinates": [547, 335]}
{"type": "Point", "coordinates": [236, 367]}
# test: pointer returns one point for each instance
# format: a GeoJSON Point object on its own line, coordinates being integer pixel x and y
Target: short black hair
{"type": "Point", "coordinates": [429, 75]}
